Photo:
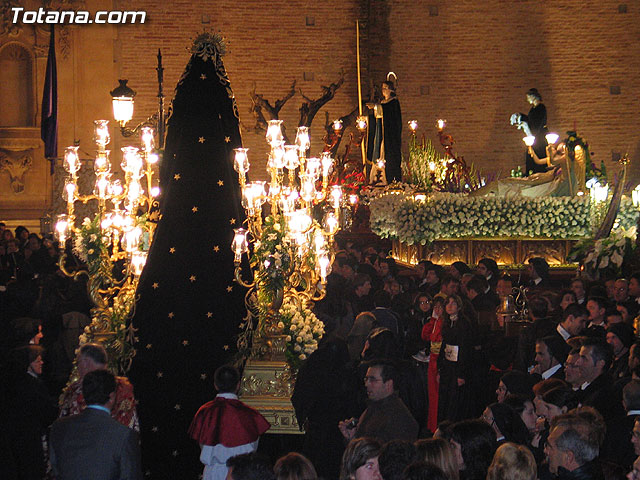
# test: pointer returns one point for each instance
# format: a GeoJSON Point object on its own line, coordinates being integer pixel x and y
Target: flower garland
{"type": "Point", "coordinates": [303, 331]}
{"type": "Point", "coordinates": [446, 215]}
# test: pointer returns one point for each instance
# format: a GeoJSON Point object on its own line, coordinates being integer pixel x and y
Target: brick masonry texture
{"type": "Point", "coordinates": [467, 61]}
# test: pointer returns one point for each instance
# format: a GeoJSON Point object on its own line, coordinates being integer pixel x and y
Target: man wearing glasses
{"type": "Point", "coordinates": [386, 418]}
{"type": "Point", "coordinates": [572, 448]}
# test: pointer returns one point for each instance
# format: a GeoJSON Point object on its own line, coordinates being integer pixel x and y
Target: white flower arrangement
{"type": "Point", "coordinates": [448, 215]}
{"type": "Point", "coordinates": [610, 253]}
{"type": "Point", "coordinates": [303, 330]}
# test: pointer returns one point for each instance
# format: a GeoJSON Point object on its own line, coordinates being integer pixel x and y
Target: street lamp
{"type": "Point", "coordinates": [122, 99]}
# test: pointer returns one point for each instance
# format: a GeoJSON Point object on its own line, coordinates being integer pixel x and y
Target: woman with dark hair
{"type": "Point", "coordinates": [385, 132]}
{"type": "Point", "coordinates": [557, 401]}
{"type": "Point", "coordinates": [507, 424]}
{"type": "Point", "coordinates": [524, 407]}
{"type": "Point", "coordinates": [360, 460]}
{"type": "Point", "coordinates": [420, 314]}
{"type": "Point", "coordinates": [488, 268]}
{"type": "Point", "coordinates": [567, 297]}
{"type": "Point", "coordinates": [432, 333]}
{"type": "Point", "coordinates": [455, 396]}
{"type": "Point", "coordinates": [474, 444]}
{"type": "Point", "coordinates": [294, 466]}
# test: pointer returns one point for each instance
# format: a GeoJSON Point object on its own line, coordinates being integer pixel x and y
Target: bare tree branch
{"type": "Point", "coordinates": [310, 108]}
{"type": "Point", "coordinates": [262, 109]}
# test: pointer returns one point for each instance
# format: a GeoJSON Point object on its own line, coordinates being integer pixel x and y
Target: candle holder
{"type": "Point", "coordinates": [114, 243]}
{"type": "Point", "coordinates": [291, 222]}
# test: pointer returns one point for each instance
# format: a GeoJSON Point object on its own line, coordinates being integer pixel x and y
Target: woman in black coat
{"type": "Point", "coordinates": [455, 364]}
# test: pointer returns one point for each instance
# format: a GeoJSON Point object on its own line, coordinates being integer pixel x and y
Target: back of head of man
{"type": "Point", "coordinates": [249, 466]}
{"type": "Point", "coordinates": [99, 388]}
{"type": "Point", "coordinates": [574, 319]}
{"type": "Point", "coordinates": [631, 396]}
{"type": "Point", "coordinates": [92, 356]}
{"type": "Point", "coordinates": [572, 444]}
{"type": "Point", "coordinates": [477, 285]}
{"type": "Point", "coordinates": [226, 379]}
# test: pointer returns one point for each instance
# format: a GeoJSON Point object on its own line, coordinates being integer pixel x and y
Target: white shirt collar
{"type": "Point", "coordinates": [633, 412]}
{"type": "Point", "coordinates": [601, 324]}
{"type": "Point", "coordinates": [551, 371]}
{"type": "Point", "coordinates": [584, 385]}
{"type": "Point", "coordinates": [562, 331]}
{"type": "Point", "coordinates": [228, 396]}
{"type": "Point", "coordinates": [536, 281]}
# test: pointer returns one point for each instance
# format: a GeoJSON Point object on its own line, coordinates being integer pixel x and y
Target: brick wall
{"type": "Point", "coordinates": [475, 60]}
{"type": "Point", "coordinates": [468, 61]}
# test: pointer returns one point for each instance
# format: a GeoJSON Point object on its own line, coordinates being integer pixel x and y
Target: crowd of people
{"type": "Point", "coordinates": [417, 376]}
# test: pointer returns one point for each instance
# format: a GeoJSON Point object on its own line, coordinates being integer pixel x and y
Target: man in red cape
{"type": "Point", "coordinates": [225, 427]}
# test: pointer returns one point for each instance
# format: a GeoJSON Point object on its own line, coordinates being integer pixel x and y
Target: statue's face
{"type": "Point", "coordinates": [386, 91]}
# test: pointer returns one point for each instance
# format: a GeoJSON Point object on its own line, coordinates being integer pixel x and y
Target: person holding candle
{"type": "Point", "coordinates": [534, 124]}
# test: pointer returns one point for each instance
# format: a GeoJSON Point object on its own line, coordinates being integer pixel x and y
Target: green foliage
{"type": "Point", "coordinates": [423, 159]}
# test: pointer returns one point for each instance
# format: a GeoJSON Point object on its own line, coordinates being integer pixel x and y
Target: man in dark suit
{"type": "Point", "coordinates": [597, 391]}
{"type": "Point", "coordinates": [551, 353]}
{"type": "Point", "coordinates": [92, 445]}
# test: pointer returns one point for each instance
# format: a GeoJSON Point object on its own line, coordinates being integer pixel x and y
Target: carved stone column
{"type": "Point", "coordinates": [16, 153]}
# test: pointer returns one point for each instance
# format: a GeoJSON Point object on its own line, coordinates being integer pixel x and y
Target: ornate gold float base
{"type": "Point", "coordinates": [508, 252]}
{"type": "Point", "coordinates": [267, 384]}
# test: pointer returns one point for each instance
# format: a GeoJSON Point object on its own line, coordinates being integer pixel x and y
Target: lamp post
{"type": "Point", "coordinates": [122, 100]}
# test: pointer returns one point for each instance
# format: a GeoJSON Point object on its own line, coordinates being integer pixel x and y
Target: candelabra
{"type": "Point", "coordinates": [115, 242]}
{"type": "Point", "coordinates": [290, 259]}
{"type": "Point", "coordinates": [292, 250]}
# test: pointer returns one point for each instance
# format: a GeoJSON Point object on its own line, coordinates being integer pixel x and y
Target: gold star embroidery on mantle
{"type": "Point", "coordinates": [220, 183]}
{"type": "Point", "coordinates": [185, 343]}
{"type": "Point", "coordinates": [174, 453]}
{"type": "Point", "coordinates": [192, 278]}
{"type": "Point", "coordinates": [229, 288]}
{"type": "Point", "coordinates": [225, 347]}
{"type": "Point", "coordinates": [159, 374]}
{"type": "Point", "coordinates": [194, 209]}
{"type": "Point", "coordinates": [154, 429]}
{"type": "Point", "coordinates": [149, 346]}
{"type": "Point", "coordinates": [203, 376]}
{"type": "Point", "coordinates": [209, 314]}
{"type": "Point", "coordinates": [176, 176]}
{"type": "Point", "coordinates": [232, 221]}
{"type": "Point", "coordinates": [177, 406]}
{"type": "Point", "coordinates": [216, 248]}
{"type": "Point", "coordinates": [172, 250]}
{"type": "Point", "coordinates": [155, 285]}
{"type": "Point", "coordinates": [201, 140]}
{"type": "Point", "coordinates": [203, 77]}
{"type": "Point", "coordinates": [171, 314]}
{"type": "Point", "coordinates": [227, 139]}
